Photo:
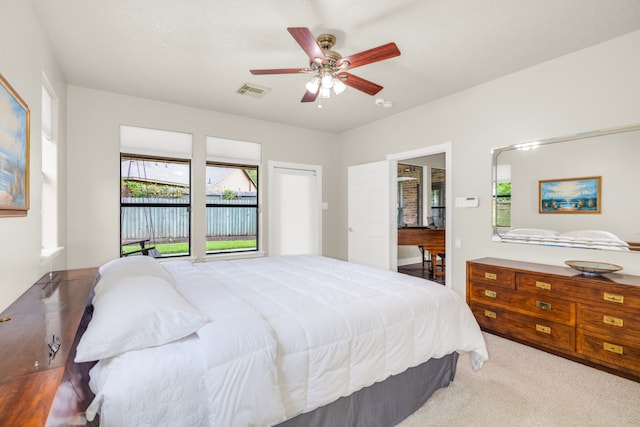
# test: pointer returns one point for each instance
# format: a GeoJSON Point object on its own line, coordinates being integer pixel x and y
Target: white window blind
{"type": "Point", "coordinates": [503, 173]}
{"type": "Point", "coordinates": [230, 151]}
{"type": "Point", "coordinates": [155, 142]}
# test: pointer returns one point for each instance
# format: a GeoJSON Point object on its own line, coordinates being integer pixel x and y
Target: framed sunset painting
{"type": "Point", "coordinates": [14, 152]}
{"type": "Point", "coordinates": [571, 195]}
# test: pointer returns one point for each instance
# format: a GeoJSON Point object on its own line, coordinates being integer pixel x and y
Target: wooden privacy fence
{"type": "Point", "coordinates": [172, 223]}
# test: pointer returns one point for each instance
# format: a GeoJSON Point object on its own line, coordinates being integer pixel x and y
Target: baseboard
{"type": "Point", "coordinates": [408, 261]}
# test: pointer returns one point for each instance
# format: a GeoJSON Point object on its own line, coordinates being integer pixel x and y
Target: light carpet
{"type": "Point", "coordinates": [522, 386]}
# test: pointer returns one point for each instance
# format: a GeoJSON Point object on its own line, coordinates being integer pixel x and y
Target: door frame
{"type": "Point", "coordinates": [393, 195]}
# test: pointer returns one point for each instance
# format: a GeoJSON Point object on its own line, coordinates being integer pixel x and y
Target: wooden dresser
{"type": "Point", "coordinates": [36, 389]}
{"type": "Point", "coordinates": [594, 320]}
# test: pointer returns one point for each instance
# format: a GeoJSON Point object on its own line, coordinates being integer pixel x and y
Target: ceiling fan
{"type": "Point", "coordinates": [330, 67]}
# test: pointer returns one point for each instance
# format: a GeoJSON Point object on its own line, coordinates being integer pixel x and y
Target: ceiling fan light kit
{"type": "Point", "coordinates": [329, 66]}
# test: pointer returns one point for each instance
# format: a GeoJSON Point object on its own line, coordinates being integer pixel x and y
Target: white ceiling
{"type": "Point", "coordinates": [199, 52]}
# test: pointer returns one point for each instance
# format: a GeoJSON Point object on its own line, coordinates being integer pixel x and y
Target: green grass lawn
{"type": "Point", "coordinates": [183, 247]}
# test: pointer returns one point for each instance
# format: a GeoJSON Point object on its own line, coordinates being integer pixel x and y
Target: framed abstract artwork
{"type": "Point", "coordinates": [14, 152]}
{"type": "Point", "coordinates": [571, 195]}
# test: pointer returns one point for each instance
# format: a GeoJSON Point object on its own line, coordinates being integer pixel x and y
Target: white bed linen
{"type": "Point", "coordinates": [288, 334]}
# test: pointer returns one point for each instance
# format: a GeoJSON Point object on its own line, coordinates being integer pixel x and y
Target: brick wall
{"type": "Point", "coordinates": [410, 193]}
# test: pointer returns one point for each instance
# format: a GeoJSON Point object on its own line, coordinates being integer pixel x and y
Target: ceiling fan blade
{"type": "Point", "coordinates": [308, 43]}
{"type": "Point", "coordinates": [375, 54]}
{"type": "Point", "coordinates": [281, 71]}
{"type": "Point", "coordinates": [309, 96]}
{"type": "Point", "coordinates": [359, 83]}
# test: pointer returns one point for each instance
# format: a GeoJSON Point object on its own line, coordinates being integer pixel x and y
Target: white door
{"type": "Point", "coordinates": [369, 214]}
{"type": "Point", "coordinates": [295, 209]}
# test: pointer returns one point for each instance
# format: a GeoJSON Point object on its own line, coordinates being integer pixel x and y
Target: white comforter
{"type": "Point", "coordinates": [288, 334]}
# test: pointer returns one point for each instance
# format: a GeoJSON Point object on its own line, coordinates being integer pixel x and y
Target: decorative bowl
{"type": "Point", "coordinates": [593, 268]}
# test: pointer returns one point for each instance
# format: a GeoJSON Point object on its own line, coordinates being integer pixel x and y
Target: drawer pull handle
{"type": "Point", "coordinates": [614, 298]}
{"type": "Point", "coordinates": [543, 285]}
{"type": "Point", "coordinates": [490, 276]}
{"type": "Point", "coordinates": [613, 348]}
{"type": "Point", "coordinates": [543, 305]}
{"type": "Point", "coordinates": [490, 314]}
{"type": "Point", "coordinates": [614, 321]}
{"type": "Point", "coordinates": [490, 294]}
{"type": "Point", "coordinates": [543, 329]}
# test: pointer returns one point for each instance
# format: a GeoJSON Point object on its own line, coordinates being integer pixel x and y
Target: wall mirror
{"type": "Point", "coordinates": [572, 191]}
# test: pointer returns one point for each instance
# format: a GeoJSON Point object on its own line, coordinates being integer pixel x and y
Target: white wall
{"type": "Point", "coordinates": [24, 56]}
{"type": "Point", "coordinates": [93, 166]}
{"type": "Point", "coordinates": [591, 89]}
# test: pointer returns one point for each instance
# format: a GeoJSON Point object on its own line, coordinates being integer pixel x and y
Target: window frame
{"type": "Point", "coordinates": [188, 205]}
{"type": "Point", "coordinates": [502, 199]}
{"type": "Point", "coordinates": [255, 206]}
{"type": "Point", "coordinates": [49, 173]}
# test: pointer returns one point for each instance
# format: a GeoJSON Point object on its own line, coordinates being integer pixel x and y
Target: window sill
{"type": "Point", "coordinates": [47, 254]}
{"type": "Point", "coordinates": [233, 255]}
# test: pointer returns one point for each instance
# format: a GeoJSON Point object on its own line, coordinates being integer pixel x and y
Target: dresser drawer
{"type": "Point", "coordinates": [543, 332]}
{"type": "Point", "coordinates": [590, 290]}
{"type": "Point", "coordinates": [609, 322]}
{"type": "Point", "coordinates": [544, 285]}
{"type": "Point", "coordinates": [618, 352]}
{"type": "Point", "coordinates": [492, 275]}
{"type": "Point", "coordinates": [616, 297]}
{"type": "Point", "coordinates": [544, 307]}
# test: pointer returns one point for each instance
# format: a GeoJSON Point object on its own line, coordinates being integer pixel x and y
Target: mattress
{"type": "Point", "coordinates": [285, 335]}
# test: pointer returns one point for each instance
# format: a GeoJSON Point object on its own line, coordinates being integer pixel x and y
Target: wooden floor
{"type": "Point", "coordinates": [418, 270]}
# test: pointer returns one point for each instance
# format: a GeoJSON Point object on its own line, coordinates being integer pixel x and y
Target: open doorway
{"type": "Point", "coordinates": [422, 193]}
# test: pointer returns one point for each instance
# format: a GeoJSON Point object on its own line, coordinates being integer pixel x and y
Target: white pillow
{"type": "Point", "coordinates": [592, 234]}
{"type": "Point", "coordinates": [596, 237]}
{"type": "Point", "coordinates": [134, 313]}
{"type": "Point", "coordinates": [137, 265]}
{"type": "Point", "coordinates": [610, 242]}
{"type": "Point", "coordinates": [535, 232]}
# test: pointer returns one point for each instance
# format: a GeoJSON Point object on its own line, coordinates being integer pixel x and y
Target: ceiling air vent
{"type": "Point", "coordinates": [253, 90]}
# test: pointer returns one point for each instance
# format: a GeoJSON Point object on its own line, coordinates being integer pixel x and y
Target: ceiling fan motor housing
{"type": "Point", "coordinates": [326, 42]}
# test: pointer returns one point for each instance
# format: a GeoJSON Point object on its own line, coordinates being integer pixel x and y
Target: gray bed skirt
{"type": "Point", "coordinates": [386, 403]}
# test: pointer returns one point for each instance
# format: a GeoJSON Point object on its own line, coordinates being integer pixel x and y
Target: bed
{"type": "Point", "coordinates": [289, 340]}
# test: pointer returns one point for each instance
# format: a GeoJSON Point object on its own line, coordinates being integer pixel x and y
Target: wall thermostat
{"type": "Point", "coordinates": [466, 202]}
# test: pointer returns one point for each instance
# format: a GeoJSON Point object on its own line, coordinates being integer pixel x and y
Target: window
{"type": "Point", "coordinates": [232, 207]}
{"type": "Point", "coordinates": [155, 192]}
{"type": "Point", "coordinates": [503, 204]}
{"type": "Point", "coordinates": [232, 202]}
{"type": "Point", "coordinates": [154, 206]}
{"type": "Point", "coordinates": [49, 175]}
{"type": "Point", "coordinates": [502, 197]}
